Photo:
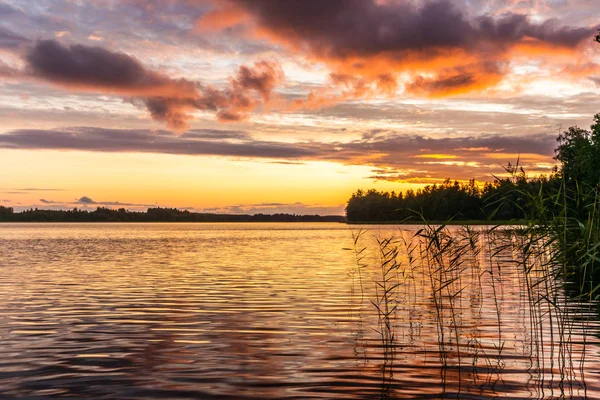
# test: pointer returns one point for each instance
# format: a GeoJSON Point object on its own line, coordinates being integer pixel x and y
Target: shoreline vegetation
{"type": "Point", "coordinates": [569, 191]}
{"type": "Point", "coordinates": [562, 209]}
{"type": "Point", "coordinates": [506, 279]}
{"type": "Point", "coordinates": [552, 260]}
{"type": "Point", "coordinates": [103, 214]}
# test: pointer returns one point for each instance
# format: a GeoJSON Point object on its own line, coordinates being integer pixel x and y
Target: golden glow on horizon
{"type": "Point", "coordinates": [176, 181]}
{"type": "Point", "coordinates": [436, 156]}
{"type": "Point", "coordinates": [528, 157]}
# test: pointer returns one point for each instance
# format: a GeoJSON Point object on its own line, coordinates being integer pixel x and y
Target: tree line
{"type": "Point", "coordinates": [157, 214]}
{"type": "Point", "coordinates": [506, 199]}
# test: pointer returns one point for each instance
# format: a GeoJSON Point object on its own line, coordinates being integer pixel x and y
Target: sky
{"type": "Point", "coordinates": [248, 106]}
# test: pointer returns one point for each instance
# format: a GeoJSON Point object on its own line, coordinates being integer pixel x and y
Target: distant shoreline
{"type": "Point", "coordinates": [156, 214]}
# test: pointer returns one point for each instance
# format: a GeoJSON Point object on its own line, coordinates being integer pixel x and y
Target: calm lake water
{"type": "Point", "coordinates": [265, 311]}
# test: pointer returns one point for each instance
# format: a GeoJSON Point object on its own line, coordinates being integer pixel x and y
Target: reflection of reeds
{"type": "Point", "coordinates": [386, 303]}
{"type": "Point", "coordinates": [458, 267]}
{"type": "Point", "coordinates": [360, 265]}
{"type": "Point", "coordinates": [354, 273]}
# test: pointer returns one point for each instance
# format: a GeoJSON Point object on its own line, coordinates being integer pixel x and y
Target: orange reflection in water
{"type": "Point", "coordinates": [261, 311]}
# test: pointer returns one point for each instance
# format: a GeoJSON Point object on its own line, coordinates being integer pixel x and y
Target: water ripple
{"type": "Point", "coordinates": [231, 311]}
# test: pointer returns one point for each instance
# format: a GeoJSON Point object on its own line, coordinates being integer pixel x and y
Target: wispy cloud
{"type": "Point", "coordinates": [10, 40]}
{"type": "Point", "coordinates": [88, 201]}
{"type": "Point", "coordinates": [394, 156]}
{"type": "Point", "coordinates": [275, 208]}
{"type": "Point", "coordinates": [30, 189]}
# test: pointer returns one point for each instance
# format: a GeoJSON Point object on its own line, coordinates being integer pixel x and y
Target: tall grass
{"type": "Point", "coordinates": [563, 238]}
{"type": "Point", "coordinates": [464, 275]}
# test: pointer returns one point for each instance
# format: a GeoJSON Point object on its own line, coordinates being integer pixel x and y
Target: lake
{"type": "Point", "coordinates": [280, 311]}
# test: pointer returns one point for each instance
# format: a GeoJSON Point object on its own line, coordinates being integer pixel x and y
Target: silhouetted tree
{"type": "Point", "coordinates": [157, 214]}
{"type": "Point", "coordinates": [579, 154]}
{"type": "Point", "coordinates": [504, 199]}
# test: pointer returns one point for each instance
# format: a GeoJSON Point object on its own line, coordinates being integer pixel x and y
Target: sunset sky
{"type": "Point", "coordinates": [282, 106]}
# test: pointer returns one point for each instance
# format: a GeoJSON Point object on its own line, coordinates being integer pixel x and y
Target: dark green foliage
{"type": "Point", "coordinates": [502, 200]}
{"type": "Point", "coordinates": [561, 211]}
{"type": "Point", "coordinates": [506, 199]}
{"type": "Point", "coordinates": [579, 153]}
{"type": "Point", "coordinates": [5, 213]}
{"type": "Point", "coordinates": [103, 214]}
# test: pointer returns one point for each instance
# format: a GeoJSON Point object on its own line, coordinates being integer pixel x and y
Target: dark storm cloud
{"type": "Point", "coordinates": [368, 27]}
{"type": "Point", "coordinates": [92, 66]}
{"type": "Point", "coordinates": [392, 155]}
{"type": "Point", "coordinates": [95, 69]}
{"type": "Point", "coordinates": [464, 52]}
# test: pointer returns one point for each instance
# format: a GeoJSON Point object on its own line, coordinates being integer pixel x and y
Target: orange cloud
{"type": "Point", "coordinates": [435, 47]}
{"type": "Point", "coordinates": [436, 156]}
{"type": "Point", "coordinates": [221, 18]}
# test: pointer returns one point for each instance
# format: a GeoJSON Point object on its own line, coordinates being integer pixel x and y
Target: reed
{"type": "Point", "coordinates": [468, 270]}
{"type": "Point", "coordinates": [386, 302]}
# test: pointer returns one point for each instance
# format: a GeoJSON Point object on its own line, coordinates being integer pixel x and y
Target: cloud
{"type": "Point", "coordinates": [393, 156]}
{"type": "Point", "coordinates": [217, 134]}
{"type": "Point", "coordinates": [6, 71]}
{"type": "Point", "coordinates": [457, 80]}
{"type": "Point", "coordinates": [437, 47]}
{"type": "Point", "coordinates": [10, 40]}
{"type": "Point", "coordinates": [263, 78]}
{"type": "Point", "coordinates": [371, 48]}
{"type": "Point", "coordinates": [85, 200]}
{"type": "Point", "coordinates": [171, 100]}
{"type": "Point", "coordinates": [147, 141]}
{"type": "Point", "coordinates": [29, 189]}
{"type": "Point", "coordinates": [87, 66]}
{"type": "Point", "coordinates": [276, 208]}
{"type": "Point", "coordinates": [41, 190]}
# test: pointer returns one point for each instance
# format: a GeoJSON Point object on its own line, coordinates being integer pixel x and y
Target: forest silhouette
{"type": "Point", "coordinates": [505, 199]}
{"type": "Point", "coordinates": [157, 214]}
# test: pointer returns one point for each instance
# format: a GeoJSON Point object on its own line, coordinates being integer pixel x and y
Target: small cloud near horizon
{"type": "Point", "coordinates": [85, 200]}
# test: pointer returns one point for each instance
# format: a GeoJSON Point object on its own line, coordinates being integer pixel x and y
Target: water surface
{"type": "Point", "coordinates": [253, 311]}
